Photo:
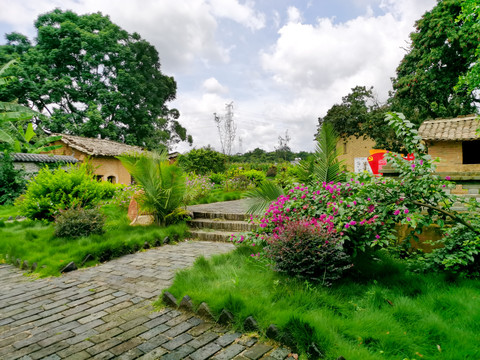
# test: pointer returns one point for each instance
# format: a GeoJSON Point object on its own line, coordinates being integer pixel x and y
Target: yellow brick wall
{"type": "Point", "coordinates": [451, 157]}
{"type": "Point", "coordinates": [351, 148]}
{"type": "Point", "coordinates": [104, 166]}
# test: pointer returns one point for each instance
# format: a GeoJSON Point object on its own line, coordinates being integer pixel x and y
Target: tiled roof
{"type": "Point", "coordinates": [98, 147]}
{"type": "Point", "coordinates": [43, 158]}
{"type": "Point", "coordinates": [460, 128]}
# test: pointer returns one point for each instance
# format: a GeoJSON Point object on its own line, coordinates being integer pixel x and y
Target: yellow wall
{"type": "Point", "coordinates": [351, 148]}
{"type": "Point", "coordinates": [451, 157]}
{"type": "Point", "coordinates": [104, 166]}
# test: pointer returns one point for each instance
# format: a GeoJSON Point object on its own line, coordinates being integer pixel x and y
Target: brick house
{"type": "Point", "coordinates": [101, 154]}
{"type": "Point", "coordinates": [457, 145]}
{"type": "Point", "coordinates": [355, 152]}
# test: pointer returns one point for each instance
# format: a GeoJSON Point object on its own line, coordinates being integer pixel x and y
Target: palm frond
{"type": "Point", "coordinates": [261, 197]}
{"type": "Point", "coordinates": [325, 167]}
{"type": "Point", "coordinates": [163, 183]}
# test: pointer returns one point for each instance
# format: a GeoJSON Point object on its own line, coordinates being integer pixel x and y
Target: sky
{"type": "Point", "coordinates": [282, 63]}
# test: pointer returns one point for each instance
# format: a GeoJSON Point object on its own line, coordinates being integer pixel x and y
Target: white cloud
{"type": "Point", "coordinates": [183, 31]}
{"type": "Point", "coordinates": [212, 86]}
{"type": "Point", "coordinates": [244, 14]}
{"type": "Point", "coordinates": [317, 64]}
{"type": "Point", "coordinates": [294, 15]}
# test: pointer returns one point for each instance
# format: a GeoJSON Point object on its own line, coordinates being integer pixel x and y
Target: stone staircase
{"type": "Point", "coordinates": [217, 224]}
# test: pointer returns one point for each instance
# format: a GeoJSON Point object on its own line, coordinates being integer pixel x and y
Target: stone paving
{"type": "Point", "coordinates": [105, 312]}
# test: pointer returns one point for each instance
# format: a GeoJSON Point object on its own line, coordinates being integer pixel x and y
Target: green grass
{"type": "Point", "coordinates": [34, 241]}
{"type": "Point", "coordinates": [218, 195]}
{"type": "Point", "coordinates": [8, 210]}
{"type": "Point", "coordinates": [381, 311]}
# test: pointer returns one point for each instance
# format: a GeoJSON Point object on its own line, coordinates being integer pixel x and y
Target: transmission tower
{"type": "Point", "coordinates": [226, 129]}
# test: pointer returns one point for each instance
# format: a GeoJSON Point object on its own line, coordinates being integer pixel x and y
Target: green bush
{"type": "Point", "coordinates": [12, 181]}
{"type": "Point", "coordinates": [255, 176]}
{"type": "Point", "coordinates": [217, 178]}
{"type": "Point", "coordinates": [202, 161]}
{"type": "Point", "coordinates": [53, 190]}
{"type": "Point", "coordinates": [308, 250]}
{"type": "Point", "coordinates": [78, 222]}
{"type": "Point", "coordinates": [458, 254]}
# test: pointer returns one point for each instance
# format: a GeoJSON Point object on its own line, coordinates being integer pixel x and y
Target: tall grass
{"type": "Point", "coordinates": [381, 311]}
{"type": "Point", "coordinates": [34, 241]}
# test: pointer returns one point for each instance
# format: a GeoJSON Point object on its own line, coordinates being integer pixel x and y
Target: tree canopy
{"type": "Point", "coordinates": [94, 79]}
{"type": "Point", "coordinates": [442, 49]}
{"type": "Point", "coordinates": [361, 115]}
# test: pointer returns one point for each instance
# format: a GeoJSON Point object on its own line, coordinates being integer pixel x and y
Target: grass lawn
{"type": "Point", "coordinates": [380, 311]}
{"type": "Point", "coordinates": [34, 241]}
{"type": "Point", "coordinates": [8, 210]}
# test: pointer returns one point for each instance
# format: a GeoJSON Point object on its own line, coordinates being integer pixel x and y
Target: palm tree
{"type": "Point", "coordinates": [324, 165]}
{"type": "Point", "coordinates": [163, 184]}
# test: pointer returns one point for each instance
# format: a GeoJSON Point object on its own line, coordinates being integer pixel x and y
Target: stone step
{"type": "Point", "coordinates": [211, 235]}
{"type": "Point", "coordinates": [219, 224]}
{"type": "Point", "coordinates": [214, 215]}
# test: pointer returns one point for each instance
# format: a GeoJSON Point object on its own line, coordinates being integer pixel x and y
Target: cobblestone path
{"type": "Point", "coordinates": [105, 312]}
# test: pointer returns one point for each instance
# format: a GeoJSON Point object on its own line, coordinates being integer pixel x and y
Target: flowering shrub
{"type": "Point", "coordinates": [364, 210]}
{"type": "Point", "coordinates": [217, 178]}
{"type": "Point", "coordinates": [308, 249]}
{"type": "Point", "coordinates": [123, 195]}
{"type": "Point", "coordinates": [239, 182]}
{"type": "Point", "coordinates": [197, 186]}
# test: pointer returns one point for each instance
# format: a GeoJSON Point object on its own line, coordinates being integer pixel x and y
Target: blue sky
{"type": "Point", "coordinates": [282, 63]}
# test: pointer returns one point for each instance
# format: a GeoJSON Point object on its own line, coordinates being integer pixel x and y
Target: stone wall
{"type": "Point", "coordinates": [30, 168]}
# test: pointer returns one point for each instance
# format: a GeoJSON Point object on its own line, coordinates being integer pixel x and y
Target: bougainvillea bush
{"type": "Point", "coordinates": [364, 210]}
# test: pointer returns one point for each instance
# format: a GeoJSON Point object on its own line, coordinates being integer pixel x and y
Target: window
{"type": "Point", "coordinates": [99, 177]}
{"type": "Point", "coordinates": [111, 179]}
{"type": "Point", "coordinates": [471, 152]}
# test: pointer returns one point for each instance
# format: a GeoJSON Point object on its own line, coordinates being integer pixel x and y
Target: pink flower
{"type": "Point", "coordinates": [408, 219]}
{"type": "Point", "coordinates": [405, 211]}
{"type": "Point", "coordinates": [447, 177]}
{"type": "Point", "coordinates": [396, 212]}
{"type": "Point", "coordinates": [353, 222]}
{"type": "Point", "coordinates": [377, 236]}
{"type": "Point", "coordinates": [347, 226]}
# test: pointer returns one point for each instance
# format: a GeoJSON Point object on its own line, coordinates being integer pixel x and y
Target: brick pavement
{"type": "Point", "coordinates": [105, 312]}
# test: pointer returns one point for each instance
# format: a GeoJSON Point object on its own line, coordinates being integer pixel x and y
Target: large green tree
{"type": "Point", "coordinates": [92, 78]}
{"type": "Point", "coordinates": [442, 49]}
{"type": "Point", "coordinates": [361, 115]}
{"type": "Point", "coordinates": [470, 17]}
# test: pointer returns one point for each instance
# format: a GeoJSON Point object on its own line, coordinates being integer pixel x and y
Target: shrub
{"type": "Point", "coordinates": [123, 195]}
{"type": "Point", "coordinates": [78, 222]}
{"type": "Point", "coordinates": [459, 253]}
{"type": "Point", "coordinates": [197, 186]}
{"type": "Point", "coordinates": [255, 176]}
{"type": "Point", "coordinates": [53, 190]}
{"type": "Point", "coordinates": [217, 178]}
{"type": "Point", "coordinates": [202, 161]}
{"type": "Point", "coordinates": [239, 182]}
{"type": "Point", "coordinates": [12, 181]}
{"type": "Point", "coordinates": [272, 171]}
{"type": "Point", "coordinates": [308, 249]}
